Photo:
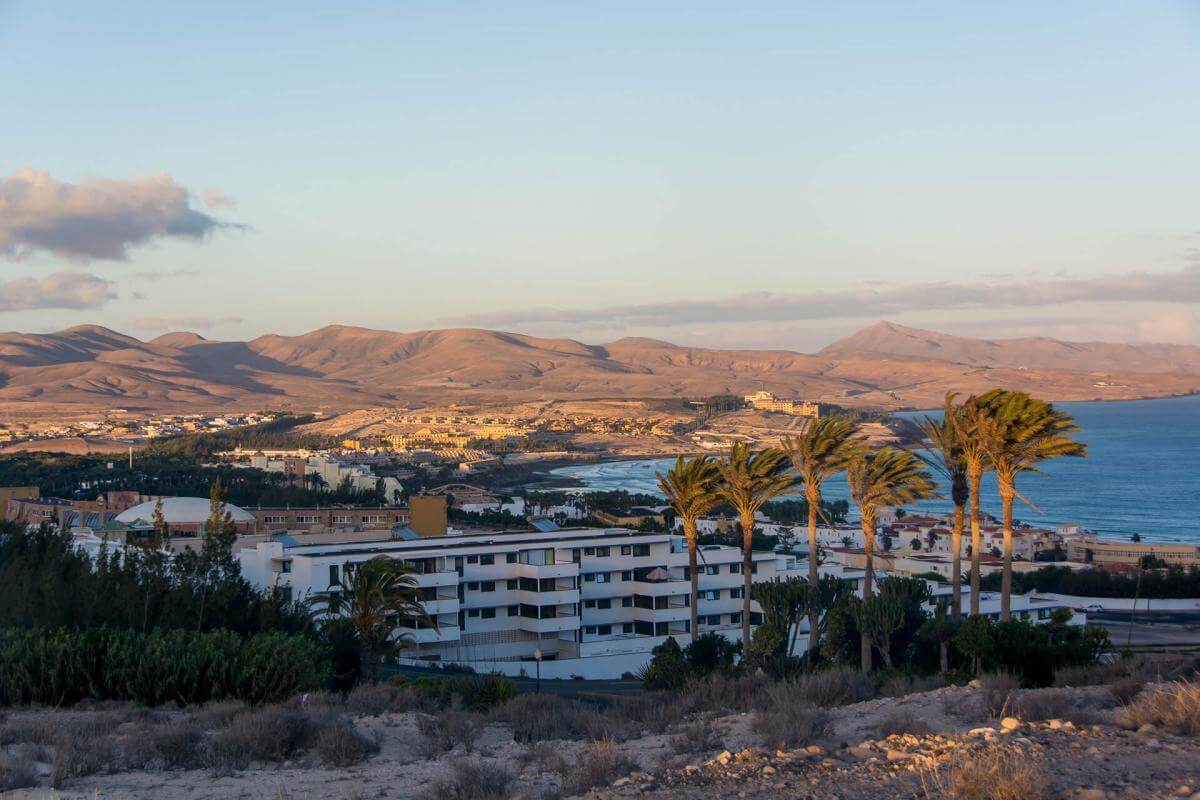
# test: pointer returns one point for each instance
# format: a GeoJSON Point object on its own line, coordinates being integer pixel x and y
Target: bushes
{"type": "Point", "coordinates": [340, 745]}
{"type": "Point", "coordinates": [791, 724]}
{"type": "Point", "coordinates": [540, 717]}
{"type": "Point", "coordinates": [16, 773]}
{"type": "Point", "coordinates": [179, 745]}
{"type": "Point", "coordinates": [1175, 707]}
{"type": "Point", "coordinates": [598, 765]}
{"type": "Point", "coordinates": [483, 692]}
{"type": "Point", "coordinates": [1033, 652]}
{"type": "Point", "coordinates": [995, 773]}
{"type": "Point", "coordinates": [473, 780]}
{"type": "Point", "coordinates": [274, 734]}
{"type": "Point", "coordinates": [901, 721]}
{"type": "Point", "coordinates": [62, 667]}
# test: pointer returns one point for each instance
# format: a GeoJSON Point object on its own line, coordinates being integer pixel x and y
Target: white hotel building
{"type": "Point", "coordinates": [593, 601]}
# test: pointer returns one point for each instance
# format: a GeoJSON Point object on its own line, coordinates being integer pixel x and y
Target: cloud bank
{"type": "Point", "coordinates": [1161, 287]}
{"type": "Point", "coordinates": [76, 290]}
{"type": "Point", "coordinates": [99, 218]}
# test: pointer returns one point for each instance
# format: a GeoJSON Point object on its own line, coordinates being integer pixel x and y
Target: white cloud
{"type": "Point", "coordinates": [77, 290]}
{"type": "Point", "coordinates": [99, 218]}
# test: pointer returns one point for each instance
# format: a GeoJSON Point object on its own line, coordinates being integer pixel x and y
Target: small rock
{"type": "Point", "coordinates": [723, 757]}
{"type": "Point", "coordinates": [1184, 790]}
{"type": "Point", "coordinates": [1054, 724]}
{"type": "Point", "coordinates": [900, 755]}
{"type": "Point", "coordinates": [1147, 729]}
{"type": "Point", "coordinates": [1010, 723]}
{"type": "Point", "coordinates": [691, 769]}
{"type": "Point", "coordinates": [768, 770]}
{"type": "Point", "coordinates": [617, 784]}
{"type": "Point", "coordinates": [815, 750]}
{"type": "Point", "coordinates": [1091, 794]}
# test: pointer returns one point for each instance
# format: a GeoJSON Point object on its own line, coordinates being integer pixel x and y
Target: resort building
{"type": "Point", "coordinates": [597, 600]}
{"type": "Point", "coordinates": [765, 401]}
{"type": "Point", "coordinates": [1102, 552]}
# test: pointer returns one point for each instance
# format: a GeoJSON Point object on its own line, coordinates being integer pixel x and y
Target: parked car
{"type": "Point", "coordinates": [1094, 608]}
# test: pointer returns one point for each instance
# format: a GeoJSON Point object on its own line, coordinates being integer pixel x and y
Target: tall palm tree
{"type": "Point", "coordinates": [1020, 433]}
{"type": "Point", "coordinates": [822, 449]}
{"type": "Point", "coordinates": [748, 481]}
{"type": "Point", "coordinates": [882, 479]}
{"type": "Point", "coordinates": [949, 460]}
{"type": "Point", "coordinates": [690, 489]}
{"type": "Point", "coordinates": [375, 596]}
{"type": "Point", "coordinates": [970, 424]}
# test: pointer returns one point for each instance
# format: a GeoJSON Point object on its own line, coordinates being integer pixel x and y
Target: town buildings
{"type": "Point", "coordinates": [1105, 552]}
{"type": "Point", "coordinates": [765, 401]}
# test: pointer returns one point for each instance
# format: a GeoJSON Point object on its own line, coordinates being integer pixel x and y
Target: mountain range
{"type": "Point", "coordinates": [88, 368]}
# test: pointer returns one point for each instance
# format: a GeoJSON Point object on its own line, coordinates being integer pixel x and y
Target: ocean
{"type": "Point", "coordinates": [1141, 474]}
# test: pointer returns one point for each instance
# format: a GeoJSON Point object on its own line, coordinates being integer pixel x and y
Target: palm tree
{"type": "Point", "coordinates": [1020, 433]}
{"type": "Point", "coordinates": [375, 596]}
{"type": "Point", "coordinates": [822, 449]}
{"type": "Point", "coordinates": [748, 481]}
{"type": "Point", "coordinates": [881, 479]}
{"type": "Point", "coordinates": [690, 489]}
{"type": "Point", "coordinates": [970, 422]}
{"type": "Point", "coordinates": [952, 464]}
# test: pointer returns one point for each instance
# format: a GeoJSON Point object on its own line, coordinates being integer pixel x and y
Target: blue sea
{"type": "Point", "coordinates": [1141, 474]}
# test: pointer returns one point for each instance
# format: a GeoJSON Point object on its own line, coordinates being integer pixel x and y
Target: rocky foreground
{"type": "Point", "coordinates": [968, 743]}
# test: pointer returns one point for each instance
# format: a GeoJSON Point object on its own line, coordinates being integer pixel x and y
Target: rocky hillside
{"type": "Point", "coordinates": [339, 367]}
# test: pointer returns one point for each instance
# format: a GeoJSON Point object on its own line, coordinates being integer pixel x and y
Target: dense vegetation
{"type": "Point", "coordinates": [1173, 582]}
{"type": "Point", "coordinates": [278, 434]}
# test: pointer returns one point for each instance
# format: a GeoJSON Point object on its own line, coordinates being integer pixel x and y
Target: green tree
{"type": "Point", "coordinates": [974, 640]}
{"type": "Point", "coordinates": [878, 616]}
{"type": "Point", "coordinates": [748, 481]}
{"type": "Point", "coordinates": [822, 449]}
{"type": "Point", "coordinates": [1021, 432]}
{"type": "Point", "coordinates": [162, 532]}
{"type": "Point", "coordinates": [948, 458]}
{"type": "Point", "coordinates": [690, 489]}
{"type": "Point", "coordinates": [782, 604]}
{"type": "Point", "coordinates": [881, 479]}
{"type": "Point", "coordinates": [970, 420]}
{"type": "Point", "coordinates": [377, 597]}
{"type": "Point", "coordinates": [940, 628]}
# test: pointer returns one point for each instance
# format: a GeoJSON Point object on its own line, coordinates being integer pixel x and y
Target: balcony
{"type": "Point", "coordinates": [555, 624]}
{"type": "Point", "coordinates": [443, 633]}
{"type": "Point", "coordinates": [565, 569]}
{"type": "Point", "coordinates": [427, 580]}
{"type": "Point", "coordinates": [662, 588]}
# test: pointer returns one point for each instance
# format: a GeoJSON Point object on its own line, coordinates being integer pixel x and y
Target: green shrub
{"type": "Point", "coordinates": [483, 692]}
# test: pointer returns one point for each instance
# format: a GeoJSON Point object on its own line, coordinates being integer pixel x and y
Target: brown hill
{"type": "Point", "coordinates": [339, 367]}
{"type": "Point", "coordinates": [888, 338]}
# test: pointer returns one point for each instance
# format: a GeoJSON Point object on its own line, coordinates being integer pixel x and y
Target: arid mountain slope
{"type": "Point", "coordinates": [341, 367]}
{"type": "Point", "coordinates": [888, 338]}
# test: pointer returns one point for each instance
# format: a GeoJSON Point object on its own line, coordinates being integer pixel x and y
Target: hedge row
{"type": "Point", "coordinates": [61, 667]}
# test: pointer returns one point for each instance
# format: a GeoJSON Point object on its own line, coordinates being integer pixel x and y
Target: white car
{"type": "Point", "coordinates": [1094, 608]}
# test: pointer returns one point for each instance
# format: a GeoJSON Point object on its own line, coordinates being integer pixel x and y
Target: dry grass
{"type": "Point", "coordinates": [698, 737]}
{"type": "Point", "coordinates": [901, 685]}
{"type": "Point", "coordinates": [1034, 705]}
{"type": "Point", "coordinates": [790, 723]}
{"type": "Point", "coordinates": [341, 745]}
{"type": "Point", "coordinates": [473, 780]}
{"type": "Point", "coordinates": [179, 745]}
{"type": "Point", "coordinates": [1174, 706]}
{"type": "Point", "coordinates": [997, 689]}
{"type": "Point", "coordinates": [16, 773]}
{"type": "Point", "coordinates": [544, 757]}
{"type": "Point", "coordinates": [268, 734]}
{"type": "Point", "coordinates": [901, 721]}
{"type": "Point", "coordinates": [449, 729]}
{"type": "Point", "coordinates": [598, 765]}
{"type": "Point", "coordinates": [542, 717]}
{"type": "Point", "coordinates": [995, 773]}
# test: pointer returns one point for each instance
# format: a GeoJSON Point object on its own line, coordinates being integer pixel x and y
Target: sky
{"type": "Point", "coordinates": [709, 173]}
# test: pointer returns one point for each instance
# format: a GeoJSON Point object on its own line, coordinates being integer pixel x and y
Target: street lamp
{"type": "Point", "coordinates": [537, 656]}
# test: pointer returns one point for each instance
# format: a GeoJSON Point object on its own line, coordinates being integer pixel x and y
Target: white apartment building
{"type": "Point", "coordinates": [333, 473]}
{"type": "Point", "coordinates": [593, 601]}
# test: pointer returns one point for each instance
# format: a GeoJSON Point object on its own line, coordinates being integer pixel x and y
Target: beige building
{"type": "Point", "coordinates": [1107, 551]}
{"type": "Point", "coordinates": [765, 401]}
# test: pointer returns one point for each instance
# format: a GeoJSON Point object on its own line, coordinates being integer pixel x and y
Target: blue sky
{"type": "Point", "coordinates": [609, 169]}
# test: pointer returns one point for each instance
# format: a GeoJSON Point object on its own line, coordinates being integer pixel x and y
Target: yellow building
{"type": "Point", "coordinates": [765, 401]}
{"type": "Point", "coordinates": [1102, 551]}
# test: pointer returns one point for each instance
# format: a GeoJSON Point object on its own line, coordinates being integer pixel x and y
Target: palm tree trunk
{"type": "Point", "coordinates": [956, 566]}
{"type": "Point", "coordinates": [868, 528]}
{"type": "Point", "coordinates": [1006, 501]}
{"type": "Point", "coordinates": [814, 503]}
{"type": "Point", "coordinates": [747, 567]}
{"type": "Point", "coordinates": [976, 540]}
{"type": "Point", "coordinates": [689, 534]}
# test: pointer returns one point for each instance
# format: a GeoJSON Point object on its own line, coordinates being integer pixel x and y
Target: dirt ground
{"type": "Point", "coordinates": [882, 748]}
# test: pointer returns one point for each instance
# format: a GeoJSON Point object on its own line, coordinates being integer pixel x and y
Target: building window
{"type": "Point", "coordinates": [604, 630]}
{"type": "Point", "coordinates": [605, 603]}
{"type": "Point", "coordinates": [487, 586]}
{"type": "Point", "coordinates": [627, 602]}
{"type": "Point", "coordinates": [510, 558]}
{"type": "Point", "coordinates": [272, 519]}
{"type": "Point", "coordinates": [487, 560]}
{"type": "Point", "coordinates": [333, 574]}
{"type": "Point", "coordinates": [602, 552]}
{"type": "Point", "coordinates": [712, 569]}
{"type": "Point", "coordinates": [626, 550]}
{"type": "Point", "coordinates": [626, 627]}
{"type": "Point", "coordinates": [711, 595]}
{"type": "Point", "coordinates": [714, 619]}
{"type": "Point", "coordinates": [473, 586]}
{"type": "Point", "coordinates": [589, 551]}
{"type": "Point", "coordinates": [756, 618]}
{"type": "Point", "coordinates": [735, 569]}
{"type": "Point", "coordinates": [601, 577]}
{"type": "Point", "coordinates": [513, 584]}
{"type": "Point", "coordinates": [641, 549]}
{"type": "Point", "coordinates": [589, 629]}
{"type": "Point", "coordinates": [735, 619]}
{"type": "Point", "coordinates": [736, 594]}
{"type": "Point", "coordinates": [341, 519]}
{"type": "Point", "coordinates": [589, 603]}
{"type": "Point", "coordinates": [472, 559]}
{"type": "Point", "coordinates": [514, 611]}
{"type": "Point", "coordinates": [589, 578]}
{"type": "Point", "coordinates": [473, 612]}
{"type": "Point", "coordinates": [286, 566]}
{"type": "Point", "coordinates": [488, 613]}
{"type": "Point", "coordinates": [627, 575]}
